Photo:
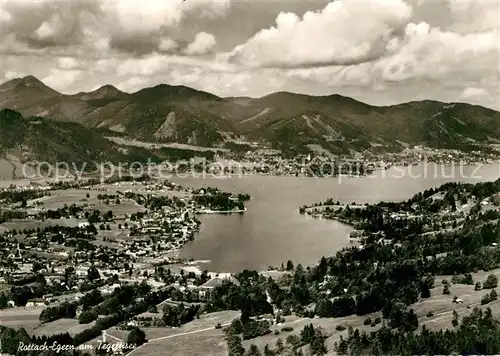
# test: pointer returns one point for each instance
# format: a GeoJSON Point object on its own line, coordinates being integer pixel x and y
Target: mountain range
{"type": "Point", "coordinates": [287, 121]}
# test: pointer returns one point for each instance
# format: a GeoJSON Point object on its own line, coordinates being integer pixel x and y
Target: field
{"type": "Point", "coordinates": [327, 324]}
{"type": "Point", "coordinates": [60, 198]}
{"type": "Point", "coordinates": [206, 321]}
{"type": "Point", "coordinates": [207, 343]}
{"type": "Point", "coordinates": [136, 143]}
{"type": "Point", "coordinates": [61, 326]}
{"type": "Point", "coordinates": [33, 224]}
{"type": "Point", "coordinates": [440, 305]}
{"type": "Point", "coordinates": [22, 317]}
{"type": "Point", "coordinates": [6, 169]}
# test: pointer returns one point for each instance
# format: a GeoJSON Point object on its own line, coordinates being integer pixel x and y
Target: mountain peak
{"type": "Point", "coordinates": [31, 79]}
{"type": "Point", "coordinates": [166, 91]}
{"type": "Point", "coordinates": [107, 90]}
{"type": "Point", "coordinates": [26, 83]}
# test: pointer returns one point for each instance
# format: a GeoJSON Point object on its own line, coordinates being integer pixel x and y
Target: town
{"type": "Point", "coordinates": [65, 243]}
{"type": "Point", "coordinates": [321, 163]}
{"type": "Point", "coordinates": [96, 265]}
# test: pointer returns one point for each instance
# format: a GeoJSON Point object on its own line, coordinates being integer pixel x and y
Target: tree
{"type": "Point", "coordinates": [324, 308]}
{"type": "Point", "coordinates": [289, 266]}
{"type": "Point", "coordinates": [454, 321]}
{"type": "Point", "coordinates": [9, 341]}
{"type": "Point", "coordinates": [93, 273]}
{"type": "Point", "coordinates": [293, 340]}
{"type": "Point", "coordinates": [279, 346]}
{"type": "Point", "coordinates": [3, 301]}
{"type": "Point", "coordinates": [446, 289]}
{"type": "Point", "coordinates": [87, 316]}
{"type": "Point", "coordinates": [253, 351]}
{"type": "Point", "coordinates": [485, 299]}
{"type": "Point", "coordinates": [136, 337]}
{"type": "Point", "coordinates": [491, 282]}
{"type": "Point", "coordinates": [477, 286]}
{"type": "Point", "coordinates": [236, 326]}
{"type": "Point", "coordinates": [235, 346]}
{"type": "Point", "coordinates": [69, 276]}
{"type": "Point", "coordinates": [253, 329]}
{"type": "Point", "coordinates": [307, 334]}
{"type": "Point", "coordinates": [425, 291]}
{"type": "Point", "coordinates": [318, 346]}
{"type": "Point", "coordinates": [268, 351]}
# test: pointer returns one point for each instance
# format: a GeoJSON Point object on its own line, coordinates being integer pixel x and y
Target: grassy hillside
{"type": "Point", "coordinates": [44, 140]}
{"type": "Point", "coordinates": [41, 139]}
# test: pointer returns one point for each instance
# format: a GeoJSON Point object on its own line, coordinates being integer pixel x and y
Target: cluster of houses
{"type": "Point", "coordinates": [138, 242]}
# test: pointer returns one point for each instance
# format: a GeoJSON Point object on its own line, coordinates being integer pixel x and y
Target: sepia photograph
{"type": "Point", "coordinates": [249, 177]}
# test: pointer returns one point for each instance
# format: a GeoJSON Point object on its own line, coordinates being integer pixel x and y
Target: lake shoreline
{"type": "Point", "coordinates": [273, 231]}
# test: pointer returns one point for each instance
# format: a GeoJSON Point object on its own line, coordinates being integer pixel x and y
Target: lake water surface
{"type": "Point", "coordinates": [272, 231]}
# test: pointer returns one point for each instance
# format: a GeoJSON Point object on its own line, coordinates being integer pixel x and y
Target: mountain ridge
{"type": "Point", "coordinates": [166, 113]}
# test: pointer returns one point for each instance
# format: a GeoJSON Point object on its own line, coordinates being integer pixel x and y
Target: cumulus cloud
{"type": "Point", "coordinates": [66, 63]}
{"type": "Point", "coordinates": [12, 74]}
{"type": "Point", "coordinates": [373, 50]}
{"type": "Point", "coordinates": [474, 15]}
{"type": "Point", "coordinates": [476, 95]}
{"type": "Point", "coordinates": [149, 16]}
{"type": "Point", "coordinates": [432, 53]}
{"type": "Point", "coordinates": [203, 43]}
{"type": "Point", "coordinates": [62, 79]}
{"type": "Point", "coordinates": [140, 26]}
{"type": "Point", "coordinates": [344, 32]}
{"type": "Point", "coordinates": [105, 65]}
{"type": "Point", "coordinates": [42, 24]}
{"type": "Point", "coordinates": [168, 45]}
{"type": "Point", "coordinates": [5, 16]}
{"type": "Point", "coordinates": [136, 26]}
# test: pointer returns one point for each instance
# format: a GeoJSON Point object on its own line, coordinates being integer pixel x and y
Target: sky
{"type": "Point", "coordinates": [378, 51]}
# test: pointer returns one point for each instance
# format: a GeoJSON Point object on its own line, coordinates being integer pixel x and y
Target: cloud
{"type": "Point", "coordinates": [60, 79]}
{"type": "Point", "coordinates": [136, 26]}
{"type": "Point", "coordinates": [475, 95]}
{"type": "Point", "coordinates": [144, 17]}
{"type": "Point", "coordinates": [66, 63]}
{"type": "Point", "coordinates": [156, 64]}
{"type": "Point", "coordinates": [168, 45]}
{"type": "Point", "coordinates": [5, 16]}
{"type": "Point", "coordinates": [12, 74]}
{"type": "Point", "coordinates": [204, 43]}
{"type": "Point", "coordinates": [140, 26]}
{"type": "Point", "coordinates": [377, 51]}
{"type": "Point", "coordinates": [474, 15]}
{"type": "Point", "coordinates": [431, 53]}
{"type": "Point", "coordinates": [344, 32]}
{"type": "Point", "coordinates": [40, 24]}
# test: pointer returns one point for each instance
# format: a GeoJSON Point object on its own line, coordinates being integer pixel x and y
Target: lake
{"type": "Point", "coordinates": [272, 231]}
